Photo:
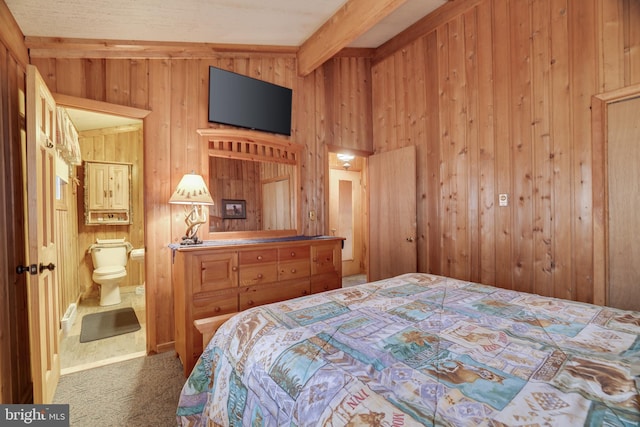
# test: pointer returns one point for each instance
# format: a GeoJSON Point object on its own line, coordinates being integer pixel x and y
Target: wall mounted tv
{"type": "Point", "coordinates": [238, 100]}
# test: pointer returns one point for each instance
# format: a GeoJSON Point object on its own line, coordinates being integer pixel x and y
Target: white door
{"type": "Point", "coordinates": [42, 296]}
{"type": "Point", "coordinates": [392, 207]}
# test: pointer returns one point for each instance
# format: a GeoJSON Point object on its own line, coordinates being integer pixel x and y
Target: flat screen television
{"type": "Point", "coordinates": [238, 100]}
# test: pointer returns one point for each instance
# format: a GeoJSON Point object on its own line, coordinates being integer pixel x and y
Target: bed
{"type": "Point", "coordinates": [419, 349]}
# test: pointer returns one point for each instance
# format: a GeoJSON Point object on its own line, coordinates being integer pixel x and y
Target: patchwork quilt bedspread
{"type": "Point", "coordinates": [419, 349]}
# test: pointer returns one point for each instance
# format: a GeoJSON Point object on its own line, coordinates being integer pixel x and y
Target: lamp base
{"type": "Point", "coordinates": [188, 241]}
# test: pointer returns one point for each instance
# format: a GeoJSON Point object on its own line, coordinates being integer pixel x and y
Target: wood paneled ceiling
{"type": "Point", "coordinates": [318, 28]}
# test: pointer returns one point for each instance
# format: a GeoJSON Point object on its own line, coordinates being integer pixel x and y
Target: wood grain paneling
{"type": "Point", "coordinates": [235, 179]}
{"type": "Point", "coordinates": [494, 94]}
{"type": "Point", "coordinates": [68, 266]}
{"type": "Point", "coordinates": [507, 86]}
{"type": "Point", "coordinates": [176, 92]}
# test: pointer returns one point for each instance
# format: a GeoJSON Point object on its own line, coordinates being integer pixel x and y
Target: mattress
{"type": "Point", "coordinates": [419, 349]}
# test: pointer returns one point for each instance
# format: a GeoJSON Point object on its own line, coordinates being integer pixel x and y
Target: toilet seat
{"type": "Point", "coordinates": [109, 273]}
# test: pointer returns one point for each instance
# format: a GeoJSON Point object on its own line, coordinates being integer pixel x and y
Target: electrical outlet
{"type": "Point", "coordinates": [503, 199]}
{"type": "Point", "coordinates": [312, 215]}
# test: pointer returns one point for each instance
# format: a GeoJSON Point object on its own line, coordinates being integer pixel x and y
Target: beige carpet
{"type": "Point", "coordinates": [138, 392]}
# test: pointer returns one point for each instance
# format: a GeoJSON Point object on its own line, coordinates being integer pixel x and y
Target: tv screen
{"type": "Point", "coordinates": [238, 100]}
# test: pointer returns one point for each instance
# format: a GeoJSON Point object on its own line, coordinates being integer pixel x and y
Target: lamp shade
{"type": "Point", "coordinates": [191, 190]}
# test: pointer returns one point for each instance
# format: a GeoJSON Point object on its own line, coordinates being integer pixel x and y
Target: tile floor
{"type": "Point", "coordinates": [76, 356]}
{"type": "Point", "coordinates": [356, 279]}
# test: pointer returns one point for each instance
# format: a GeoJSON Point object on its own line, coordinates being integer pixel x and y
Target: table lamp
{"type": "Point", "coordinates": [193, 193]}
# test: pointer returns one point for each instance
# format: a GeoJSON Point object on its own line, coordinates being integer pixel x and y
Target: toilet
{"type": "Point", "coordinates": [109, 267]}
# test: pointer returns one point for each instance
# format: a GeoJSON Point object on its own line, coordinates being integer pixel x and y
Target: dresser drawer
{"type": "Point", "coordinates": [259, 295]}
{"type": "Point", "coordinates": [258, 256]}
{"type": "Point", "coordinates": [294, 253]}
{"type": "Point", "coordinates": [325, 282]}
{"type": "Point", "coordinates": [214, 305]}
{"type": "Point", "coordinates": [258, 274]}
{"type": "Point", "coordinates": [294, 269]}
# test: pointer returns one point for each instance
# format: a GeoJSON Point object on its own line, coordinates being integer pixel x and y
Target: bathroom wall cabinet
{"type": "Point", "coordinates": [107, 193]}
{"type": "Point", "coordinates": [211, 280]}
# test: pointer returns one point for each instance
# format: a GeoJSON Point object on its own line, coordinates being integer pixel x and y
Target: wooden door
{"type": "Point", "coordinates": [345, 217]}
{"type": "Point", "coordinates": [97, 183]}
{"type": "Point", "coordinates": [392, 207]}
{"type": "Point", "coordinates": [44, 327]}
{"type": "Point", "coordinates": [624, 204]}
{"type": "Point", "coordinates": [276, 211]}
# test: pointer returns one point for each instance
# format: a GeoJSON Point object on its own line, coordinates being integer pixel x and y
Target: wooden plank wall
{"type": "Point", "coordinates": [234, 179]}
{"type": "Point", "coordinates": [123, 145]}
{"type": "Point", "coordinates": [175, 90]}
{"type": "Point", "coordinates": [66, 224]}
{"type": "Point", "coordinates": [497, 100]}
{"type": "Point", "coordinates": [15, 372]}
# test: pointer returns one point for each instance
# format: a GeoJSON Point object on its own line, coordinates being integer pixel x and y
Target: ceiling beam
{"type": "Point", "coordinates": [352, 20]}
{"type": "Point", "coordinates": [68, 48]}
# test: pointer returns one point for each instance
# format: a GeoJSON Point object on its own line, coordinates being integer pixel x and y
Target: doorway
{"type": "Point", "coordinates": [623, 177]}
{"type": "Point", "coordinates": [347, 212]}
{"type": "Point", "coordinates": [616, 153]}
{"type": "Point", "coordinates": [104, 138]}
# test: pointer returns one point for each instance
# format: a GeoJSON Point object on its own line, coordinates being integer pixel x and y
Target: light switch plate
{"type": "Point", "coordinates": [503, 199]}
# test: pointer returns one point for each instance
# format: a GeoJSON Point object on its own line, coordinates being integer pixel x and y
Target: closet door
{"type": "Point", "coordinates": [392, 206]}
{"type": "Point", "coordinates": [623, 158]}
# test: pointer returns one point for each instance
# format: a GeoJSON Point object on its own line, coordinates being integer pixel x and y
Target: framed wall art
{"type": "Point", "coordinates": [234, 209]}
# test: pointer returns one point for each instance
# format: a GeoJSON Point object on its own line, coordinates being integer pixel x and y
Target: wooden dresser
{"type": "Point", "coordinates": [220, 277]}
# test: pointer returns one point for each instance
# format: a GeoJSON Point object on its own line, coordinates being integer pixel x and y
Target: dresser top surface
{"type": "Point", "coordinates": [210, 244]}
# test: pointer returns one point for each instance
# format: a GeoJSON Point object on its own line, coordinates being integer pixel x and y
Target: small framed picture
{"type": "Point", "coordinates": [234, 209]}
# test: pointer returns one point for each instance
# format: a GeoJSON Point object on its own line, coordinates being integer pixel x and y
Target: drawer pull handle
{"type": "Point", "coordinates": [293, 254]}
{"type": "Point", "coordinates": [249, 302]}
{"type": "Point", "coordinates": [259, 257]}
{"type": "Point", "coordinates": [234, 268]}
{"type": "Point", "coordinates": [260, 276]}
{"type": "Point", "coordinates": [216, 310]}
{"type": "Point", "coordinates": [293, 270]}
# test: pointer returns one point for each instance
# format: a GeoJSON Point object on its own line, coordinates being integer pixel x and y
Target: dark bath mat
{"type": "Point", "coordinates": [107, 324]}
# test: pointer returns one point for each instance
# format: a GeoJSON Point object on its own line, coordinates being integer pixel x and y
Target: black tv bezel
{"type": "Point", "coordinates": [242, 123]}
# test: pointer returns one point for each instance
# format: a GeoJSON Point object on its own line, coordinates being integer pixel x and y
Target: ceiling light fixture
{"type": "Point", "coordinates": [346, 160]}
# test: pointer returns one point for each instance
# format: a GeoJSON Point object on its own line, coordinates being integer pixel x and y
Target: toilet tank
{"type": "Point", "coordinates": [110, 252]}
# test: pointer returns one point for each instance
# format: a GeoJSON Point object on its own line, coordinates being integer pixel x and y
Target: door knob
{"type": "Point", "coordinates": [31, 269]}
{"type": "Point", "coordinates": [51, 266]}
